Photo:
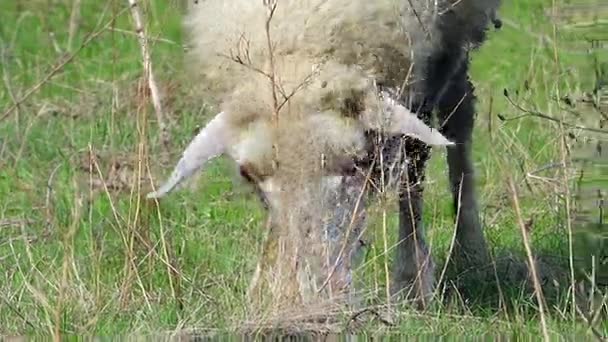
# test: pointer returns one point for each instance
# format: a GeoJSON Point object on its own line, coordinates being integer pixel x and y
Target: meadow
{"type": "Point", "coordinates": [82, 252]}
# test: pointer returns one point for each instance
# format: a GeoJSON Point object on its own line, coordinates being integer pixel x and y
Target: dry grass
{"type": "Point", "coordinates": [83, 254]}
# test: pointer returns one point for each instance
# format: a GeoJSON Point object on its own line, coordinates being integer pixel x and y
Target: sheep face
{"type": "Point", "coordinates": [320, 219]}
{"type": "Point", "coordinates": [307, 179]}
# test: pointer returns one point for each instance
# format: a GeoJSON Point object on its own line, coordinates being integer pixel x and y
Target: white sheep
{"type": "Point", "coordinates": [302, 87]}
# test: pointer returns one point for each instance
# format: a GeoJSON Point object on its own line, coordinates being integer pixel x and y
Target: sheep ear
{"type": "Point", "coordinates": [209, 143]}
{"type": "Point", "coordinates": [403, 121]}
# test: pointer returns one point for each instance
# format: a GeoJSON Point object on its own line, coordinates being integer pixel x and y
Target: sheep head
{"type": "Point", "coordinates": [304, 169]}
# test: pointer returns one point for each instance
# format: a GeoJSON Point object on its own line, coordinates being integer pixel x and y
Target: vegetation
{"type": "Point", "coordinates": [83, 252]}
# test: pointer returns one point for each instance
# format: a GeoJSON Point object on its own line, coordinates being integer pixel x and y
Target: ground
{"type": "Point", "coordinates": [82, 252]}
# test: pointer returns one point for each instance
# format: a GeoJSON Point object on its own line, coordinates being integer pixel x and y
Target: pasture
{"type": "Point", "coordinates": [82, 252]}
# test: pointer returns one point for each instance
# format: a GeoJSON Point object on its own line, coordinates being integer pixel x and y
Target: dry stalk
{"type": "Point", "coordinates": [74, 23]}
{"type": "Point", "coordinates": [6, 77]}
{"type": "Point", "coordinates": [564, 172]}
{"type": "Point", "coordinates": [127, 240]}
{"type": "Point", "coordinates": [272, 6]}
{"type": "Point", "coordinates": [554, 31]}
{"type": "Point", "coordinates": [41, 299]}
{"type": "Point", "coordinates": [464, 96]}
{"type": "Point", "coordinates": [24, 136]}
{"type": "Point", "coordinates": [384, 230]}
{"type": "Point", "coordinates": [537, 287]}
{"type": "Point", "coordinates": [386, 268]}
{"type": "Point", "coordinates": [165, 245]}
{"type": "Point", "coordinates": [596, 333]}
{"type": "Point", "coordinates": [453, 242]}
{"type": "Point", "coordinates": [68, 257]}
{"type": "Point", "coordinates": [148, 72]}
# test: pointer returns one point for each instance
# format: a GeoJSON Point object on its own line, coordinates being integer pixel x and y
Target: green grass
{"type": "Point", "coordinates": [81, 260]}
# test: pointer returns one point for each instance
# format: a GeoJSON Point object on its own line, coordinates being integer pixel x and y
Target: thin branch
{"type": "Point", "coordinates": [246, 63]}
{"type": "Point", "coordinates": [156, 39]}
{"type": "Point", "coordinates": [547, 167]}
{"type": "Point", "coordinates": [372, 311]}
{"type": "Point", "coordinates": [287, 97]}
{"type": "Point", "coordinates": [533, 113]}
{"type": "Point", "coordinates": [58, 67]}
{"type": "Point", "coordinates": [426, 31]}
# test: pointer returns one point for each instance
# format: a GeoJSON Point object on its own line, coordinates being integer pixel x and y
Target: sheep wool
{"type": "Point", "coordinates": [324, 57]}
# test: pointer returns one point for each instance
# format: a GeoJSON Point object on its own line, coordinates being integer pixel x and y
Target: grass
{"type": "Point", "coordinates": [83, 254]}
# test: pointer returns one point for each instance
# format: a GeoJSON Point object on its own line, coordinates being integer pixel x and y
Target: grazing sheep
{"type": "Point", "coordinates": [316, 100]}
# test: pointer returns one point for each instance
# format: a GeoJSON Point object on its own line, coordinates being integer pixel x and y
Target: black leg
{"type": "Point", "coordinates": [457, 114]}
{"type": "Point", "coordinates": [413, 269]}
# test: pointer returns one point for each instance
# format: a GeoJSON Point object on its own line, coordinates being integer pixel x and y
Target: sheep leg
{"type": "Point", "coordinates": [456, 112]}
{"type": "Point", "coordinates": [413, 266]}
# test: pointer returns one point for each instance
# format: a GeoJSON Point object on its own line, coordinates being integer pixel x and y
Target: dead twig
{"type": "Point", "coordinates": [7, 223]}
{"type": "Point", "coordinates": [533, 113]}
{"type": "Point", "coordinates": [373, 312]}
{"type": "Point", "coordinates": [17, 312]}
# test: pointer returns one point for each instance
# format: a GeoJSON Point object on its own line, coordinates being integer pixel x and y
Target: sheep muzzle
{"type": "Point", "coordinates": [319, 223]}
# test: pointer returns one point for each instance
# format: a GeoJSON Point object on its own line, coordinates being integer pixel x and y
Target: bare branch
{"type": "Point", "coordinates": [287, 97]}
{"type": "Point", "coordinates": [246, 63]}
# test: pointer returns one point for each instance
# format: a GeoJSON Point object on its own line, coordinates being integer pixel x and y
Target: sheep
{"type": "Point", "coordinates": [312, 92]}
